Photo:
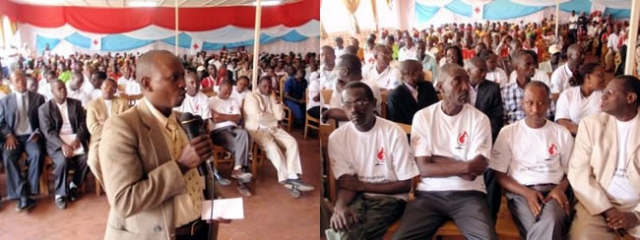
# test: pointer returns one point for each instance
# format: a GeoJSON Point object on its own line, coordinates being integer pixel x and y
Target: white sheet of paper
{"type": "Point", "coordinates": [230, 209]}
{"type": "Point", "coordinates": [68, 139]}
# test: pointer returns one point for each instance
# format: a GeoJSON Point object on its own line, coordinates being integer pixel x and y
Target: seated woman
{"type": "Point", "coordinates": [583, 99]}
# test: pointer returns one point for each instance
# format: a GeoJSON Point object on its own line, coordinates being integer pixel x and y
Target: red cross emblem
{"type": "Point", "coordinates": [477, 10]}
{"type": "Point", "coordinates": [95, 42]}
{"type": "Point", "coordinates": [195, 46]}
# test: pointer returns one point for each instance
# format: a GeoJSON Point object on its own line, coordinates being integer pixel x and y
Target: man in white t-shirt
{"type": "Point", "coordinates": [348, 70]}
{"type": "Point", "coordinates": [603, 168]}
{"type": "Point", "coordinates": [573, 25]}
{"type": "Point", "coordinates": [612, 44]}
{"type": "Point", "coordinates": [408, 51]}
{"type": "Point", "coordinates": [382, 72]}
{"type": "Point", "coordinates": [560, 77]}
{"type": "Point", "coordinates": [45, 89]}
{"type": "Point", "coordinates": [125, 79]}
{"type": "Point", "coordinates": [327, 75]}
{"type": "Point", "coordinates": [452, 142]}
{"type": "Point", "coordinates": [225, 132]}
{"type": "Point", "coordinates": [531, 158]}
{"type": "Point", "coordinates": [494, 73]}
{"type": "Point", "coordinates": [339, 50]}
{"type": "Point", "coordinates": [374, 178]}
{"type": "Point", "coordinates": [240, 90]}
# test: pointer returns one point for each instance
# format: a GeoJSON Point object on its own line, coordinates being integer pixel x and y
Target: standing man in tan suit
{"type": "Point", "coordinates": [149, 166]}
{"type": "Point", "coordinates": [98, 110]}
{"type": "Point", "coordinates": [262, 111]}
{"type": "Point", "coordinates": [604, 168]}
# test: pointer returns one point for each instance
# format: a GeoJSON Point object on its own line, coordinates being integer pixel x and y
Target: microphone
{"type": "Point", "coordinates": [193, 125]}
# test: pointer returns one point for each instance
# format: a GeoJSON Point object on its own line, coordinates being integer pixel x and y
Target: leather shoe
{"type": "Point", "coordinates": [61, 203]}
{"type": "Point", "coordinates": [25, 204]}
{"type": "Point", "coordinates": [73, 194]}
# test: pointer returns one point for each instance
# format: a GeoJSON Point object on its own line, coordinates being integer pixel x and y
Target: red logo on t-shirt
{"type": "Point", "coordinates": [380, 156]}
{"type": "Point", "coordinates": [462, 138]}
{"type": "Point", "coordinates": [197, 107]}
{"type": "Point", "coordinates": [553, 150]}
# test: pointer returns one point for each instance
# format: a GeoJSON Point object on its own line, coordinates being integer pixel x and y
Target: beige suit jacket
{"type": "Point", "coordinates": [593, 163]}
{"type": "Point", "coordinates": [139, 177]}
{"type": "Point", "coordinates": [96, 112]}
{"type": "Point", "coordinates": [255, 112]}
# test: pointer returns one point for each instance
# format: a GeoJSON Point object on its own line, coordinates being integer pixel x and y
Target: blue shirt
{"type": "Point", "coordinates": [294, 88]}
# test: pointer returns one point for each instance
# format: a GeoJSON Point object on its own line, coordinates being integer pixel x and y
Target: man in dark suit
{"type": "Point", "coordinates": [63, 123]}
{"type": "Point", "coordinates": [20, 130]}
{"type": "Point", "coordinates": [485, 96]}
{"type": "Point", "coordinates": [414, 94]}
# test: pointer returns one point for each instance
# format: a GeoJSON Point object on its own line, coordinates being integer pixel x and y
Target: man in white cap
{"type": "Point", "coordinates": [554, 59]}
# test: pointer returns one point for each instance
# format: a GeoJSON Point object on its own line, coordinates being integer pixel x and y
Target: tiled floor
{"type": "Point", "coordinates": [270, 214]}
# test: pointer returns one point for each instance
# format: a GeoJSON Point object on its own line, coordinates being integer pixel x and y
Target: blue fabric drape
{"type": "Point", "coordinates": [41, 43]}
{"type": "Point", "coordinates": [424, 13]}
{"type": "Point", "coordinates": [119, 42]}
{"type": "Point", "coordinates": [506, 9]}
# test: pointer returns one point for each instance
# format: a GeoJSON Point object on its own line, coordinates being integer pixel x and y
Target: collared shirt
{"type": "Point", "coordinates": [79, 95]}
{"type": "Point", "coordinates": [389, 78]}
{"type": "Point", "coordinates": [473, 94]}
{"type": "Point", "coordinates": [109, 104]}
{"type": "Point", "coordinates": [560, 79]}
{"type": "Point", "coordinates": [327, 78]}
{"type": "Point", "coordinates": [407, 53]}
{"type": "Point", "coordinates": [19, 97]}
{"type": "Point", "coordinates": [66, 128]}
{"type": "Point", "coordinates": [413, 91]}
{"type": "Point", "coordinates": [512, 96]}
{"type": "Point", "coordinates": [187, 206]}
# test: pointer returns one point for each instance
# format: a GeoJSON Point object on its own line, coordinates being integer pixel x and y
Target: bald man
{"type": "Point", "coordinates": [382, 72]}
{"type": "Point", "coordinates": [451, 141]}
{"type": "Point", "coordinates": [348, 70]}
{"type": "Point", "coordinates": [414, 94]}
{"type": "Point", "coordinates": [149, 164]}
{"type": "Point", "coordinates": [20, 132]}
{"type": "Point", "coordinates": [560, 77]}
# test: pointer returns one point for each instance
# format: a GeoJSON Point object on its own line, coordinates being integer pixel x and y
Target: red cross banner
{"type": "Point", "coordinates": [96, 43]}
{"type": "Point", "coordinates": [196, 45]}
{"type": "Point", "coordinates": [477, 11]}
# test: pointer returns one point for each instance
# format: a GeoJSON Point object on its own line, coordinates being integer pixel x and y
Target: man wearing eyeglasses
{"type": "Point", "coordinates": [374, 178]}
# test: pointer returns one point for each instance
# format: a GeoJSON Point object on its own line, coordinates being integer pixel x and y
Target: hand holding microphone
{"type": "Point", "coordinates": [200, 146]}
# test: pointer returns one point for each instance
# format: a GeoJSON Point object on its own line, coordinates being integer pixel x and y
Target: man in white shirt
{"type": "Point", "coordinates": [125, 79]}
{"type": "Point", "coordinates": [603, 168]}
{"type": "Point", "coordinates": [531, 158]}
{"type": "Point", "coordinates": [63, 122]}
{"type": "Point", "coordinates": [262, 110]}
{"type": "Point", "coordinates": [538, 75]}
{"type": "Point", "coordinates": [612, 44]}
{"type": "Point", "coordinates": [74, 88]}
{"type": "Point", "coordinates": [327, 75]}
{"type": "Point", "coordinates": [381, 72]}
{"type": "Point", "coordinates": [240, 90]}
{"type": "Point", "coordinates": [408, 51]}
{"type": "Point", "coordinates": [374, 178]}
{"type": "Point", "coordinates": [494, 73]}
{"type": "Point", "coordinates": [225, 132]}
{"type": "Point", "coordinates": [45, 88]}
{"type": "Point", "coordinates": [452, 142]}
{"type": "Point", "coordinates": [560, 77]}
{"type": "Point", "coordinates": [96, 80]}
{"type": "Point", "coordinates": [573, 25]}
{"type": "Point", "coordinates": [348, 70]}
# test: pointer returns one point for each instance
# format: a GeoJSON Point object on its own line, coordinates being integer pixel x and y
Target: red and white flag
{"type": "Point", "coordinates": [96, 43]}
{"type": "Point", "coordinates": [478, 10]}
{"type": "Point", "coordinates": [196, 45]}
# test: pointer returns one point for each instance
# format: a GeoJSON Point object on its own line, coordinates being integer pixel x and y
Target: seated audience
{"type": "Point", "coordinates": [452, 143]}
{"type": "Point", "coordinates": [429, 63]}
{"type": "Point", "coordinates": [603, 166]}
{"type": "Point", "coordinates": [74, 89]}
{"type": "Point", "coordinates": [371, 194]}
{"type": "Point", "coordinates": [538, 74]}
{"type": "Point", "coordinates": [63, 122]}
{"type": "Point", "coordinates": [582, 100]}
{"type": "Point", "coordinates": [531, 158]}
{"type": "Point", "coordinates": [414, 94]}
{"type": "Point", "coordinates": [382, 72]}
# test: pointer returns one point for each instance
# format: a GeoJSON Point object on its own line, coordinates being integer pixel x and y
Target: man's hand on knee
{"type": "Point", "coordinates": [343, 219]}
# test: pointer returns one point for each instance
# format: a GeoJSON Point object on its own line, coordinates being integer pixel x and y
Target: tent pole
{"type": "Point", "coordinates": [557, 19]}
{"type": "Point", "coordinates": [630, 66]}
{"type": "Point", "coordinates": [176, 28]}
{"type": "Point", "coordinates": [256, 46]}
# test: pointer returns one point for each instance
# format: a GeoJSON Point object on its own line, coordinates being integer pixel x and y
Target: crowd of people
{"type": "Point", "coordinates": [492, 107]}
{"type": "Point", "coordinates": [58, 106]}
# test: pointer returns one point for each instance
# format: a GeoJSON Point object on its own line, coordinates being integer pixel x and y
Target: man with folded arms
{"type": "Point", "coordinates": [374, 178]}
{"type": "Point", "coordinates": [603, 169]}
{"type": "Point", "coordinates": [451, 141]}
{"type": "Point", "coordinates": [531, 157]}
